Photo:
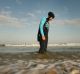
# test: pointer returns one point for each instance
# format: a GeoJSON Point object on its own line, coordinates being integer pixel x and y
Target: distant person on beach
{"type": "Point", "coordinates": [42, 36]}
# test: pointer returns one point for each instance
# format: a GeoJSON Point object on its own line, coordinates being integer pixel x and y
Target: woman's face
{"type": "Point", "coordinates": [50, 19]}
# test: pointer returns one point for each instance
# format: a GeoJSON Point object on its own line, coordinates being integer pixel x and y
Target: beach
{"type": "Point", "coordinates": [35, 63]}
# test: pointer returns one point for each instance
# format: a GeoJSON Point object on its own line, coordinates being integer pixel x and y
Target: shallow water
{"type": "Point", "coordinates": [33, 49]}
{"type": "Point", "coordinates": [34, 63]}
{"type": "Point", "coordinates": [25, 60]}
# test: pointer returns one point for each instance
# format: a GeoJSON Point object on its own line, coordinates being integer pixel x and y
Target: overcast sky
{"type": "Point", "coordinates": [19, 20]}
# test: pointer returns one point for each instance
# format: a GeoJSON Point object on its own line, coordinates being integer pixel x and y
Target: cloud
{"type": "Point", "coordinates": [7, 20]}
{"type": "Point", "coordinates": [7, 12]}
{"type": "Point", "coordinates": [36, 13]}
{"type": "Point", "coordinates": [18, 1]}
{"type": "Point", "coordinates": [40, 11]}
{"type": "Point", "coordinates": [31, 14]}
{"type": "Point", "coordinates": [7, 7]}
{"type": "Point", "coordinates": [67, 21]}
{"type": "Point", "coordinates": [10, 21]}
{"type": "Point", "coordinates": [74, 21]}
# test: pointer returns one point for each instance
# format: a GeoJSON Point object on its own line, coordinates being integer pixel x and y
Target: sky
{"type": "Point", "coordinates": [19, 20]}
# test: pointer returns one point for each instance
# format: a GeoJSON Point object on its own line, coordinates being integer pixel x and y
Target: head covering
{"type": "Point", "coordinates": [51, 14]}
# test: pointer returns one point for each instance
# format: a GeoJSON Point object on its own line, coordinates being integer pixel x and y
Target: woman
{"type": "Point", "coordinates": [42, 35]}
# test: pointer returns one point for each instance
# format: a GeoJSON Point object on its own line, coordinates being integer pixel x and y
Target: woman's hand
{"type": "Point", "coordinates": [43, 38]}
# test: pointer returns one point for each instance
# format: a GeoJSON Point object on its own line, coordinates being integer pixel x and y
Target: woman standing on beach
{"type": "Point", "coordinates": [42, 35]}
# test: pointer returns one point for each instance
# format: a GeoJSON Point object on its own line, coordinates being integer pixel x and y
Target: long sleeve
{"type": "Point", "coordinates": [41, 26]}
